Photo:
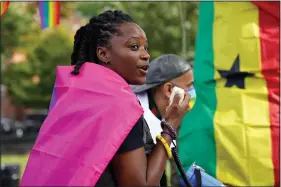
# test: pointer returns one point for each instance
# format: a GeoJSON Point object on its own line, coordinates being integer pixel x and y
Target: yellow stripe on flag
{"type": "Point", "coordinates": [51, 13]}
{"type": "Point", "coordinates": [242, 124]}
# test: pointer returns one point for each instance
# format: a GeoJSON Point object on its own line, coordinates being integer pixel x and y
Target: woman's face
{"type": "Point", "coordinates": [128, 55]}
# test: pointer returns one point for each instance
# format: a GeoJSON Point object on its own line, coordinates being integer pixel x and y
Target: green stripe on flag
{"type": "Point", "coordinates": [196, 138]}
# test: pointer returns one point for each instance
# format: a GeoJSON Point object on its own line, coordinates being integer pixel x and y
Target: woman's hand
{"type": "Point", "coordinates": [176, 111]}
{"type": "Point", "coordinates": [133, 168]}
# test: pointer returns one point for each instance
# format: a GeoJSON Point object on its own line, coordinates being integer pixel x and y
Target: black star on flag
{"type": "Point", "coordinates": [234, 76]}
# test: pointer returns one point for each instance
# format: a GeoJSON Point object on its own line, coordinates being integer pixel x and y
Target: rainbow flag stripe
{"type": "Point", "coordinates": [192, 99]}
{"type": "Point", "coordinates": [233, 130]}
{"type": "Point", "coordinates": [4, 7]}
{"type": "Point", "coordinates": [49, 13]}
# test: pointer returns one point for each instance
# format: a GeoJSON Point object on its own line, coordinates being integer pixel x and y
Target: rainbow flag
{"type": "Point", "coordinates": [233, 130]}
{"type": "Point", "coordinates": [4, 7]}
{"type": "Point", "coordinates": [49, 13]}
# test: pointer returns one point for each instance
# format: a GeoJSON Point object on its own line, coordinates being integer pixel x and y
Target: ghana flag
{"type": "Point", "coordinates": [233, 130]}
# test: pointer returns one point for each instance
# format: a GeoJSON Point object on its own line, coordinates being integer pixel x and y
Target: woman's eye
{"type": "Point", "coordinates": [134, 47]}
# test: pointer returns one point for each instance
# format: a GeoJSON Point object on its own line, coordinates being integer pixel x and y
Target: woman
{"type": "Point", "coordinates": [119, 47]}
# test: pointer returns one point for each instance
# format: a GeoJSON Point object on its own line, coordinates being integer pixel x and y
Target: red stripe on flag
{"type": "Point", "coordinates": [269, 38]}
{"type": "Point", "coordinates": [270, 7]}
{"type": "Point", "coordinates": [4, 6]}
{"type": "Point", "coordinates": [57, 13]}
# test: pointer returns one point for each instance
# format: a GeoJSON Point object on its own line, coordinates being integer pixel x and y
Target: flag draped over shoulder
{"type": "Point", "coordinates": [233, 130]}
{"type": "Point", "coordinates": [90, 116]}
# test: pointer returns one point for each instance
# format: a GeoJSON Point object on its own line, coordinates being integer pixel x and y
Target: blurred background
{"type": "Point", "coordinates": [30, 54]}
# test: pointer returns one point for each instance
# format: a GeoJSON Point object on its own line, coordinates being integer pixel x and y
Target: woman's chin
{"type": "Point", "coordinates": [138, 81]}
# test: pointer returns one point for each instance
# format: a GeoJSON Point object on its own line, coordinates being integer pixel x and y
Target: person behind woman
{"type": "Point", "coordinates": [112, 40]}
{"type": "Point", "coordinates": [165, 72]}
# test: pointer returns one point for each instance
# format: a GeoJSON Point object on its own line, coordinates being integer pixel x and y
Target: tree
{"type": "Point", "coordinates": [170, 26]}
{"type": "Point", "coordinates": [15, 26]}
{"type": "Point", "coordinates": [31, 83]}
{"type": "Point", "coordinates": [19, 28]}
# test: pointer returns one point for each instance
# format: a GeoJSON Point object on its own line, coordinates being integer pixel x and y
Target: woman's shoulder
{"type": "Point", "coordinates": [139, 136]}
{"type": "Point", "coordinates": [134, 139]}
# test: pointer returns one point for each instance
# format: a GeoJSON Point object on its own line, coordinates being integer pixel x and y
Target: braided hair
{"type": "Point", "coordinates": [97, 33]}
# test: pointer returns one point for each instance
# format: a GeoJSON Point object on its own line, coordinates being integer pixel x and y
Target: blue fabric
{"type": "Point", "coordinates": [206, 179]}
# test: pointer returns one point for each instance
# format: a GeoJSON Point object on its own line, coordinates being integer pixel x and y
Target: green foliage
{"type": "Point", "coordinates": [67, 9]}
{"type": "Point", "coordinates": [18, 27]}
{"type": "Point", "coordinates": [165, 23]}
{"type": "Point", "coordinates": [15, 26]}
{"type": "Point", "coordinates": [53, 48]}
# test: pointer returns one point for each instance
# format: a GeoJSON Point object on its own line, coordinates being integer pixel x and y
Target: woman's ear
{"type": "Point", "coordinates": [103, 55]}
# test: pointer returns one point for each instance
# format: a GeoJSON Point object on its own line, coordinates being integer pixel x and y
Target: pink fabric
{"type": "Point", "coordinates": [90, 116]}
